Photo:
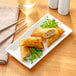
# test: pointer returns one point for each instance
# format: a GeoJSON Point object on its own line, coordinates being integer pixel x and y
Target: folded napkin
{"type": "Point", "coordinates": [8, 15]}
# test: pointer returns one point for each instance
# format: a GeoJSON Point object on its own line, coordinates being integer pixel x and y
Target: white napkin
{"type": "Point", "coordinates": [8, 15]}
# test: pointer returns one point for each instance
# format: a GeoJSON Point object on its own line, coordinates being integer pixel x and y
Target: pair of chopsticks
{"type": "Point", "coordinates": [14, 31]}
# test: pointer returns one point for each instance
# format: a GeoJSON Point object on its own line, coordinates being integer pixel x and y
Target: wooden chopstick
{"type": "Point", "coordinates": [12, 33]}
{"type": "Point", "coordinates": [12, 24]}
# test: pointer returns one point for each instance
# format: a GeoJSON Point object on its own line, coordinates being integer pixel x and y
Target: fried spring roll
{"type": "Point", "coordinates": [24, 51]}
{"type": "Point", "coordinates": [32, 42]}
{"type": "Point", "coordinates": [61, 31]}
{"type": "Point", "coordinates": [44, 32]}
{"type": "Point", "coordinates": [50, 40]}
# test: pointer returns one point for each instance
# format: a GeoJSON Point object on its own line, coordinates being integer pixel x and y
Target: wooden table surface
{"type": "Point", "coordinates": [61, 61]}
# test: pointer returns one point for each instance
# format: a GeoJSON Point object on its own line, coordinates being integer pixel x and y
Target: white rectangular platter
{"type": "Point", "coordinates": [14, 50]}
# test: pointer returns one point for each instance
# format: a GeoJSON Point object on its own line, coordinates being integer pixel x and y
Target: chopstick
{"type": "Point", "coordinates": [12, 33]}
{"type": "Point", "coordinates": [12, 24]}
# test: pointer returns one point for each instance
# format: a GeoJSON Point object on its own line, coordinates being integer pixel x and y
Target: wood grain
{"type": "Point", "coordinates": [61, 61]}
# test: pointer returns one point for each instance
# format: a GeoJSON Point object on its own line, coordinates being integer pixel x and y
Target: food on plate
{"type": "Point", "coordinates": [43, 32]}
{"type": "Point", "coordinates": [30, 54]}
{"type": "Point", "coordinates": [34, 54]}
{"type": "Point", "coordinates": [61, 31]}
{"type": "Point", "coordinates": [31, 47]}
{"type": "Point", "coordinates": [24, 51]}
{"type": "Point", "coordinates": [49, 23]}
{"type": "Point", "coordinates": [32, 42]}
{"type": "Point", "coordinates": [50, 40]}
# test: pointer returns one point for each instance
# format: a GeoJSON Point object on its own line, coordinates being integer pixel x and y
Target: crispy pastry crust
{"type": "Point", "coordinates": [50, 40]}
{"type": "Point", "coordinates": [43, 32]}
{"type": "Point", "coordinates": [24, 51]}
{"type": "Point", "coordinates": [32, 42]}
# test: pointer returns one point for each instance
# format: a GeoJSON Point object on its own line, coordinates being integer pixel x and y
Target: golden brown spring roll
{"type": "Point", "coordinates": [61, 31]}
{"type": "Point", "coordinates": [44, 32]}
{"type": "Point", "coordinates": [50, 40]}
{"type": "Point", "coordinates": [32, 42]}
{"type": "Point", "coordinates": [24, 51]}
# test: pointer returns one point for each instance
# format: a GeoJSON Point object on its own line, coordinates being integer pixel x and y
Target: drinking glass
{"type": "Point", "coordinates": [26, 5]}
